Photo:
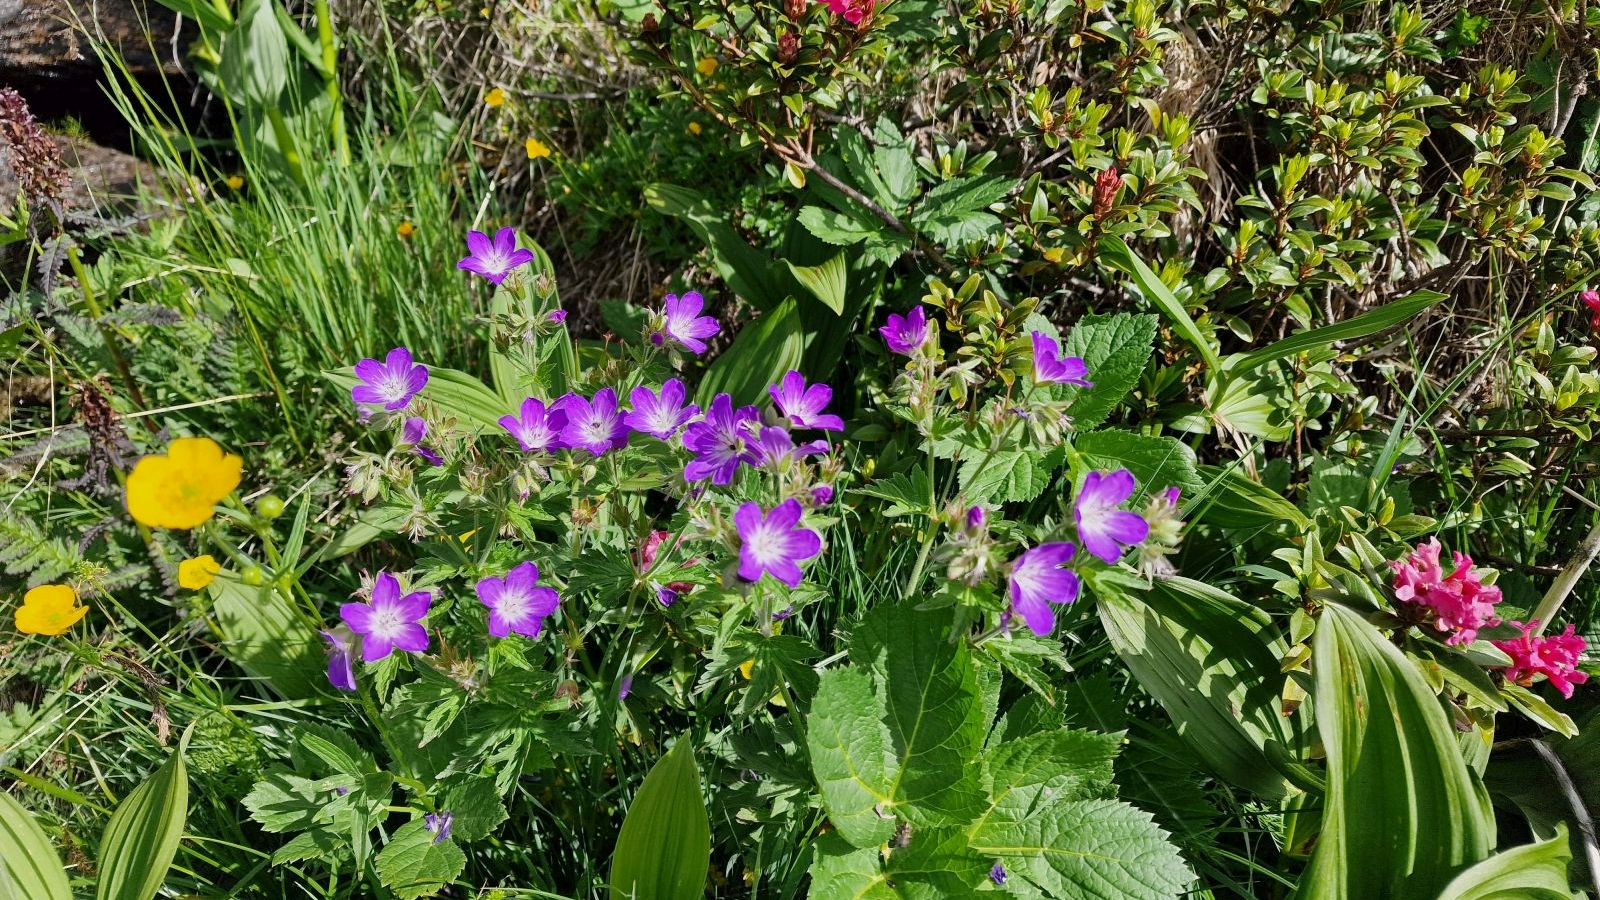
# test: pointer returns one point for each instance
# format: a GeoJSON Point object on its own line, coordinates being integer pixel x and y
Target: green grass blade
{"type": "Point", "coordinates": [142, 837]}
{"type": "Point", "coordinates": [1365, 325]}
{"type": "Point", "coordinates": [664, 850]}
{"type": "Point", "coordinates": [1116, 254]}
{"type": "Point", "coordinates": [29, 866]}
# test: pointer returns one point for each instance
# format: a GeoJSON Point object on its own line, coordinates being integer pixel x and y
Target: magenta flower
{"type": "Point", "coordinates": [666, 594]}
{"type": "Point", "coordinates": [775, 447]}
{"type": "Point", "coordinates": [821, 495]}
{"type": "Point", "coordinates": [803, 405]}
{"type": "Point", "coordinates": [904, 334]}
{"type": "Point", "coordinates": [1103, 528]}
{"type": "Point", "coordinates": [1458, 602]}
{"type": "Point", "coordinates": [773, 542]}
{"type": "Point", "coordinates": [1037, 580]}
{"type": "Point", "coordinates": [1049, 367]}
{"type": "Point", "coordinates": [557, 316]}
{"type": "Point", "coordinates": [494, 259]}
{"type": "Point", "coordinates": [1555, 657]}
{"type": "Point", "coordinates": [517, 602]}
{"type": "Point", "coordinates": [341, 653]}
{"type": "Point", "coordinates": [536, 427]}
{"type": "Point", "coordinates": [592, 425]}
{"type": "Point", "coordinates": [660, 414]}
{"type": "Point", "coordinates": [682, 322]}
{"type": "Point", "coordinates": [390, 621]}
{"type": "Point", "coordinates": [411, 435]}
{"type": "Point", "coordinates": [719, 442]}
{"type": "Point", "coordinates": [391, 383]}
{"type": "Point", "coordinates": [1591, 299]}
{"type": "Point", "coordinates": [852, 10]}
{"type": "Point", "coordinates": [439, 825]}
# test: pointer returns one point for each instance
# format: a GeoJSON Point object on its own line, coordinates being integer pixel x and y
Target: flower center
{"type": "Point", "coordinates": [386, 623]}
{"type": "Point", "coordinates": [765, 545]}
{"type": "Point", "coordinates": [513, 605]}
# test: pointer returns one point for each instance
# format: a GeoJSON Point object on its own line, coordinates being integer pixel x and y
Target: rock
{"type": "Point", "coordinates": [42, 42]}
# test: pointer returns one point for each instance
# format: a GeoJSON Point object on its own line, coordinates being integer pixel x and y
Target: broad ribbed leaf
{"type": "Point", "coordinates": [1403, 812]}
{"type": "Point", "coordinates": [826, 282]}
{"type": "Point", "coordinates": [1212, 661]}
{"type": "Point", "coordinates": [1088, 850]}
{"type": "Point", "coordinates": [849, 747]}
{"type": "Point", "coordinates": [761, 354]}
{"type": "Point", "coordinates": [266, 637]}
{"type": "Point", "coordinates": [1368, 323]}
{"type": "Point", "coordinates": [743, 267]}
{"type": "Point", "coordinates": [1115, 349]}
{"type": "Point", "coordinates": [935, 716]}
{"type": "Point", "coordinates": [29, 866]}
{"type": "Point", "coordinates": [1530, 872]}
{"type": "Point", "coordinates": [664, 849]}
{"type": "Point", "coordinates": [1232, 500]}
{"type": "Point", "coordinates": [142, 837]}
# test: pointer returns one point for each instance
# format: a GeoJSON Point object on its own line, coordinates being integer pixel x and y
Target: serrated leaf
{"type": "Point", "coordinates": [908, 493]}
{"type": "Point", "coordinates": [1115, 349]}
{"type": "Point", "coordinates": [1089, 849]}
{"type": "Point", "coordinates": [283, 801]}
{"type": "Point", "coordinates": [849, 745]}
{"type": "Point", "coordinates": [1030, 774]}
{"type": "Point", "coordinates": [29, 866]}
{"type": "Point", "coordinates": [433, 700]}
{"type": "Point", "coordinates": [412, 865]}
{"type": "Point", "coordinates": [1403, 811]}
{"type": "Point", "coordinates": [835, 227]}
{"type": "Point", "coordinates": [1156, 462]}
{"type": "Point", "coordinates": [664, 849]}
{"type": "Point", "coordinates": [1009, 475]}
{"type": "Point", "coordinates": [937, 864]}
{"type": "Point", "coordinates": [475, 807]}
{"type": "Point", "coordinates": [142, 837]}
{"type": "Point", "coordinates": [335, 749]}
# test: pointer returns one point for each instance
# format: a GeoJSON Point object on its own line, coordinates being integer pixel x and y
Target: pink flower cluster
{"type": "Point", "coordinates": [1554, 657]}
{"type": "Point", "coordinates": [1591, 299]}
{"type": "Point", "coordinates": [852, 10]}
{"type": "Point", "coordinates": [1458, 602]}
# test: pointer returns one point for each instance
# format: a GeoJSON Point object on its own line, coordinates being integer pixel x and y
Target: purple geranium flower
{"type": "Point", "coordinates": [998, 874]}
{"type": "Point", "coordinates": [904, 334]}
{"type": "Point", "coordinates": [682, 322]}
{"type": "Point", "coordinates": [494, 259]}
{"type": "Point", "coordinates": [803, 405]}
{"type": "Point", "coordinates": [1037, 580]}
{"type": "Point", "coordinates": [391, 383]}
{"type": "Point", "coordinates": [1050, 367]}
{"type": "Point", "coordinates": [593, 425]}
{"type": "Point", "coordinates": [439, 824]}
{"type": "Point", "coordinates": [660, 415]}
{"type": "Point", "coordinates": [411, 435]}
{"type": "Point", "coordinates": [389, 621]}
{"type": "Point", "coordinates": [557, 316]}
{"type": "Point", "coordinates": [775, 446]}
{"type": "Point", "coordinates": [1103, 528]}
{"type": "Point", "coordinates": [719, 441]}
{"type": "Point", "coordinates": [517, 602]}
{"type": "Point", "coordinates": [341, 652]}
{"type": "Point", "coordinates": [536, 427]}
{"type": "Point", "coordinates": [771, 542]}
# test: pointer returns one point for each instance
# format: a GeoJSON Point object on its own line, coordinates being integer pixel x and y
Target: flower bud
{"type": "Point", "coordinates": [269, 507]}
{"type": "Point", "coordinates": [788, 47]}
{"type": "Point", "coordinates": [795, 9]}
{"type": "Point", "coordinates": [1105, 191]}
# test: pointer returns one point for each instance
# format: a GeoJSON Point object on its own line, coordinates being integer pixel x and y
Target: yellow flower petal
{"type": "Point", "coordinates": [178, 489]}
{"type": "Point", "coordinates": [235, 182]}
{"type": "Point", "coordinates": [495, 97]}
{"type": "Point", "coordinates": [746, 667]}
{"type": "Point", "coordinates": [406, 229]}
{"type": "Point", "coordinates": [49, 609]}
{"type": "Point", "coordinates": [198, 572]}
{"type": "Point", "coordinates": [707, 66]}
{"type": "Point", "coordinates": [536, 148]}
{"type": "Point", "coordinates": [694, 128]}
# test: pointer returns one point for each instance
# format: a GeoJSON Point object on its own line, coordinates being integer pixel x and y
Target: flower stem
{"type": "Point", "coordinates": [1564, 583]}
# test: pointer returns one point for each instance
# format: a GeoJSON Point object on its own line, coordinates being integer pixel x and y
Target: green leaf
{"type": "Point", "coordinates": [1088, 849]}
{"type": "Point", "coordinates": [454, 392]}
{"type": "Point", "coordinates": [1530, 872]}
{"type": "Point", "coordinates": [29, 866]}
{"type": "Point", "coordinates": [908, 493]}
{"type": "Point", "coordinates": [202, 11]}
{"type": "Point", "coordinates": [1539, 709]}
{"type": "Point", "coordinates": [849, 745]}
{"type": "Point", "coordinates": [1033, 772]}
{"type": "Point", "coordinates": [433, 701]}
{"type": "Point", "coordinates": [1116, 253]}
{"type": "Point", "coordinates": [412, 865]}
{"type": "Point", "coordinates": [937, 864]}
{"type": "Point", "coordinates": [936, 720]}
{"type": "Point", "coordinates": [743, 267]}
{"type": "Point", "coordinates": [1367, 324]}
{"type": "Point", "coordinates": [1212, 661]}
{"type": "Point", "coordinates": [1115, 349]}
{"type": "Point", "coordinates": [283, 801]}
{"type": "Point", "coordinates": [764, 350]}
{"type": "Point", "coordinates": [664, 849]}
{"type": "Point", "coordinates": [825, 282]}
{"type": "Point", "coordinates": [475, 808]}
{"type": "Point", "coordinates": [1256, 403]}
{"type": "Point", "coordinates": [1009, 475]}
{"type": "Point", "coordinates": [1403, 811]}
{"type": "Point", "coordinates": [262, 634]}
{"type": "Point", "coordinates": [255, 54]}
{"type": "Point", "coordinates": [1232, 500]}
{"type": "Point", "coordinates": [514, 369]}
{"type": "Point", "coordinates": [142, 837]}
{"type": "Point", "coordinates": [1156, 462]}
{"type": "Point", "coordinates": [835, 227]}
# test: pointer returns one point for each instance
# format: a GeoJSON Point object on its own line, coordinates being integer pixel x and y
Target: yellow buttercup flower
{"type": "Point", "coordinates": [536, 148]}
{"type": "Point", "coordinates": [694, 128]}
{"type": "Point", "coordinates": [196, 573]}
{"type": "Point", "coordinates": [707, 66]}
{"type": "Point", "coordinates": [49, 609]}
{"type": "Point", "coordinates": [495, 97]}
{"type": "Point", "coordinates": [406, 229]}
{"type": "Point", "coordinates": [178, 489]}
{"type": "Point", "coordinates": [746, 667]}
{"type": "Point", "coordinates": [235, 182]}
